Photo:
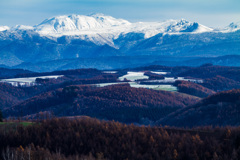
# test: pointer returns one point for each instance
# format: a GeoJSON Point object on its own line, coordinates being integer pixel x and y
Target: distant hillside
{"type": "Point", "coordinates": [193, 89]}
{"type": "Point", "coordinates": [10, 95]}
{"type": "Point", "coordinates": [10, 73]}
{"type": "Point", "coordinates": [120, 102]}
{"type": "Point", "coordinates": [212, 71]}
{"type": "Point", "coordinates": [220, 83]}
{"type": "Point", "coordinates": [221, 109]}
{"type": "Point", "coordinates": [228, 60]}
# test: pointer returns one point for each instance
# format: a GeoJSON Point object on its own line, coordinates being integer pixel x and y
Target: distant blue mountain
{"type": "Point", "coordinates": [103, 42]}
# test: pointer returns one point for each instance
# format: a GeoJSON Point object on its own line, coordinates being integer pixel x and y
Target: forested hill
{"type": "Point", "coordinates": [118, 102]}
{"type": "Point", "coordinates": [93, 139]}
{"type": "Point", "coordinates": [220, 109]}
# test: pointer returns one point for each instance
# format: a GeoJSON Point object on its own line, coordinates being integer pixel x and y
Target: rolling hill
{"type": "Point", "coordinates": [221, 109]}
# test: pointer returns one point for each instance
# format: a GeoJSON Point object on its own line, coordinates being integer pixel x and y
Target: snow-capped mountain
{"type": "Point", "coordinates": [102, 29]}
{"type": "Point", "coordinates": [109, 27]}
{"type": "Point", "coordinates": [78, 24]}
{"type": "Point", "coordinates": [95, 24]}
{"type": "Point", "coordinates": [234, 26]}
{"type": "Point", "coordinates": [4, 28]}
{"type": "Point", "coordinates": [95, 36]}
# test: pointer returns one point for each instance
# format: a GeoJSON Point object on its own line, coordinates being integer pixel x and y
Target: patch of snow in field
{"type": "Point", "coordinates": [111, 72]}
{"type": "Point", "coordinates": [173, 80]}
{"type": "Point", "coordinates": [136, 85]}
{"type": "Point", "coordinates": [132, 76]}
{"type": "Point", "coordinates": [109, 84]}
{"type": "Point", "coordinates": [29, 79]}
{"type": "Point", "coordinates": [156, 87]}
{"type": "Point", "coordinates": [160, 73]}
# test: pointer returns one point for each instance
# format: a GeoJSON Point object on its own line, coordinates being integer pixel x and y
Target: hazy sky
{"type": "Point", "coordinates": [212, 13]}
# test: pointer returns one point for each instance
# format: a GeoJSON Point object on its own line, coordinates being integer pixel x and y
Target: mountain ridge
{"type": "Point", "coordinates": [97, 36]}
{"type": "Point", "coordinates": [75, 24]}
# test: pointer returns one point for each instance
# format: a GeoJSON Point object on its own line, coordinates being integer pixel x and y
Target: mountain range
{"type": "Point", "coordinates": [103, 42]}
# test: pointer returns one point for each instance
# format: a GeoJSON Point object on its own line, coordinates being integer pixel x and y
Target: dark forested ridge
{"type": "Point", "coordinates": [209, 71]}
{"type": "Point", "coordinates": [9, 73]}
{"type": "Point", "coordinates": [220, 83]}
{"type": "Point", "coordinates": [117, 102]}
{"type": "Point", "coordinates": [91, 138]}
{"type": "Point", "coordinates": [220, 109]}
{"type": "Point", "coordinates": [193, 89]}
{"type": "Point", "coordinates": [10, 95]}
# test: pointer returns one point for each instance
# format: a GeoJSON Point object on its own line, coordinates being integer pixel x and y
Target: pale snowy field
{"type": "Point", "coordinates": [110, 72]}
{"type": "Point", "coordinates": [136, 85]}
{"type": "Point", "coordinates": [160, 73]}
{"type": "Point", "coordinates": [132, 76]}
{"type": "Point", "coordinates": [29, 79]}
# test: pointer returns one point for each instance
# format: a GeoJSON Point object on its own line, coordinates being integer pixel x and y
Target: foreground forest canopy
{"type": "Point", "coordinates": [157, 95]}
{"type": "Point", "coordinates": [87, 138]}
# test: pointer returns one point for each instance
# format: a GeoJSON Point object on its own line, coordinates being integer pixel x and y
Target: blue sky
{"type": "Point", "coordinates": [212, 13]}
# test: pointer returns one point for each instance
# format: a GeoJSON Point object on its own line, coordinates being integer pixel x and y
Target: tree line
{"type": "Point", "coordinates": [71, 138]}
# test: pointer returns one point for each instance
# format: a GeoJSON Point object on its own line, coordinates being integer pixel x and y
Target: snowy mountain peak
{"type": "Point", "coordinates": [178, 26]}
{"type": "Point", "coordinates": [234, 26]}
{"type": "Point", "coordinates": [77, 23]}
{"type": "Point", "coordinates": [186, 26]}
{"type": "Point", "coordinates": [183, 21]}
{"type": "Point", "coordinates": [4, 28]}
{"type": "Point", "coordinates": [101, 18]}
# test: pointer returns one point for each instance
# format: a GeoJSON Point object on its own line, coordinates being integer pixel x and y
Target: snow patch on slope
{"type": "Point", "coordinates": [234, 26]}
{"type": "Point", "coordinates": [22, 27]}
{"type": "Point", "coordinates": [151, 29]}
{"type": "Point", "coordinates": [4, 28]}
{"type": "Point", "coordinates": [203, 28]}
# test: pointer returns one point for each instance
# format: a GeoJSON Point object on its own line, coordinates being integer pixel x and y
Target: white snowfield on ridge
{"type": "Point", "coordinates": [101, 24]}
{"type": "Point", "coordinates": [4, 28]}
{"type": "Point", "coordinates": [107, 28]}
